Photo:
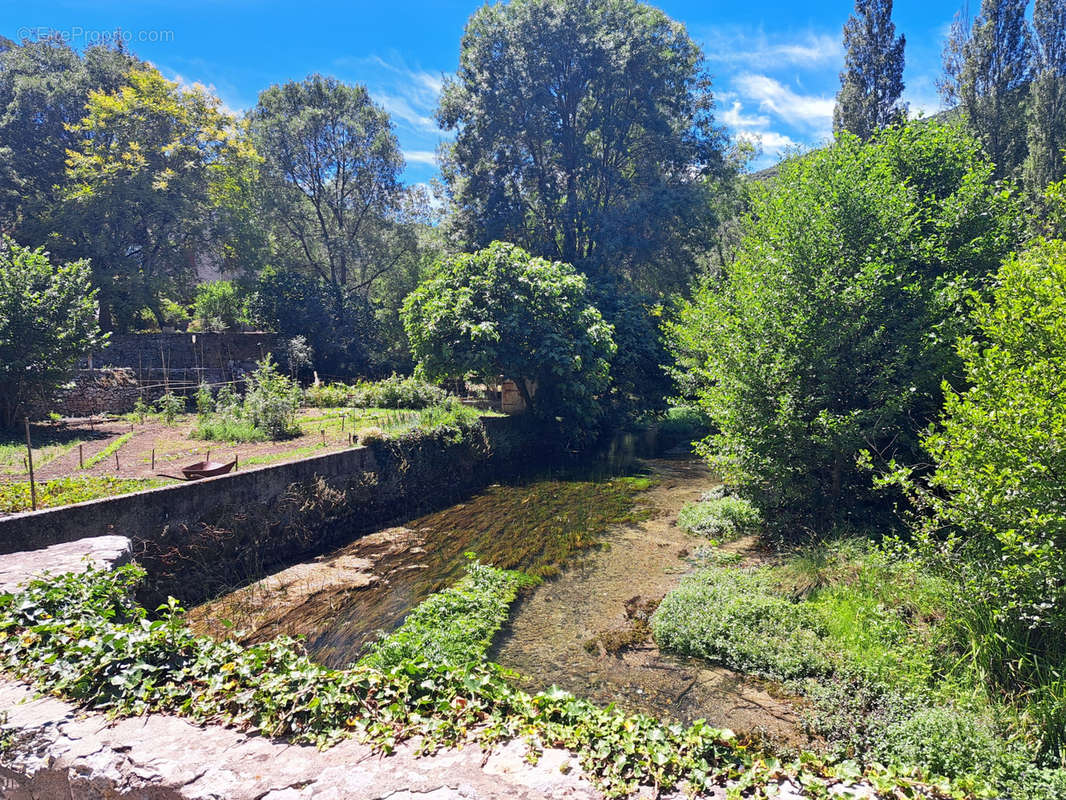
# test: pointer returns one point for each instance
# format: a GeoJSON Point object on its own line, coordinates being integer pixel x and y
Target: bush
{"type": "Point", "coordinates": [268, 410]}
{"type": "Point", "coordinates": [170, 406]}
{"type": "Point", "coordinates": [272, 400]}
{"type": "Point", "coordinates": [217, 306]}
{"type": "Point", "coordinates": [327, 395]}
{"type": "Point", "coordinates": [732, 617]}
{"type": "Point", "coordinates": [833, 328]}
{"type": "Point", "coordinates": [720, 519]}
{"type": "Point", "coordinates": [47, 322]}
{"type": "Point", "coordinates": [369, 436]}
{"type": "Point", "coordinates": [396, 392]}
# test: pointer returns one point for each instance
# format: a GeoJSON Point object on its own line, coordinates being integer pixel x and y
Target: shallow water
{"type": "Point", "coordinates": [601, 542]}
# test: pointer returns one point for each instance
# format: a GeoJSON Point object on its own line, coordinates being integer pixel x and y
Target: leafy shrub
{"type": "Point", "coordinates": [170, 406]}
{"type": "Point", "coordinates": [175, 315]}
{"type": "Point", "coordinates": [327, 395]}
{"type": "Point", "coordinates": [268, 410]}
{"type": "Point", "coordinates": [684, 424]}
{"type": "Point", "coordinates": [217, 306]}
{"type": "Point", "coordinates": [834, 325]}
{"type": "Point", "coordinates": [271, 402]}
{"type": "Point", "coordinates": [720, 519]}
{"type": "Point", "coordinates": [141, 409]}
{"type": "Point", "coordinates": [732, 617]}
{"type": "Point", "coordinates": [369, 436]}
{"type": "Point", "coordinates": [396, 392]}
{"type": "Point", "coordinates": [205, 402]}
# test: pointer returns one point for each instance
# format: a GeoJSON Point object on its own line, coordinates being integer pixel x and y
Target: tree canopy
{"type": "Point", "coordinates": [835, 324]}
{"type": "Point", "coordinates": [47, 322]}
{"type": "Point", "coordinates": [583, 130]}
{"type": "Point", "coordinates": [872, 80]}
{"type": "Point", "coordinates": [502, 312]}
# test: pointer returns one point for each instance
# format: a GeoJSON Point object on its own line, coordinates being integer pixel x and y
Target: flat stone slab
{"type": "Point", "coordinates": [99, 551]}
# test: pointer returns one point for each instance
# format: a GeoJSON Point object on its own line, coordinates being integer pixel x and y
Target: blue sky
{"type": "Point", "coordinates": [775, 63]}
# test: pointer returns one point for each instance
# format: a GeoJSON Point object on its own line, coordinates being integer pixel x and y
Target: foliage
{"type": "Point", "coordinates": [299, 355]}
{"type": "Point", "coordinates": [338, 225]}
{"type": "Point", "coordinates": [272, 400]}
{"type": "Point", "coordinates": [170, 406]}
{"type": "Point", "coordinates": [139, 184]}
{"type": "Point", "coordinates": [44, 87]}
{"type": "Point", "coordinates": [108, 451]}
{"type": "Point", "coordinates": [987, 71]}
{"type": "Point", "coordinates": [205, 401]}
{"type": "Point", "coordinates": [588, 143]}
{"type": "Point", "coordinates": [338, 326]}
{"type": "Point", "coordinates": [396, 392]}
{"type": "Point", "coordinates": [47, 322]}
{"type": "Point", "coordinates": [370, 436]}
{"type": "Point", "coordinates": [224, 428]}
{"type": "Point", "coordinates": [503, 312]}
{"type": "Point", "coordinates": [81, 637]}
{"type": "Point", "coordinates": [174, 314]}
{"type": "Point", "coordinates": [733, 617]}
{"type": "Point", "coordinates": [684, 423]}
{"type": "Point", "coordinates": [997, 484]}
{"type": "Point", "coordinates": [833, 328]}
{"type": "Point", "coordinates": [1046, 139]}
{"type": "Point", "coordinates": [455, 626]}
{"type": "Point", "coordinates": [720, 519]}
{"type": "Point", "coordinates": [15, 497]}
{"type": "Point", "coordinates": [872, 81]}
{"type": "Point", "coordinates": [327, 395]}
{"type": "Point", "coordinates": [217, 306]}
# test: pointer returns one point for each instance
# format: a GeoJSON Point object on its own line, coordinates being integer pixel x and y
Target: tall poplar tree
{"type": "Point", "coordinates": [872, 81]}
{"type": "Point", "coordinates": [1047, 98]}
{"type": "Point", "coordinates": [987, 70]}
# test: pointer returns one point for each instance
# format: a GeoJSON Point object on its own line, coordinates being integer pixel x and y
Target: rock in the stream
{"type": "Point", "coordinates": [99, 551]}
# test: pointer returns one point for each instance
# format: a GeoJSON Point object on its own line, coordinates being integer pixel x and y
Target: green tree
{"type": "Point", "coordinates": [834, 326]}
{"type": "Point", "coordinates": [331, 161]}
{"type": "Point", "coordinates": [47, 322]}
{"type": "Point", "coordinates": [502, 312]}
{"type": "Point", "coordinates": [44, 87]}
{"type": "Point", "coordinates": [1000, 479]}
{"type": "Point", "coordinates": [987, 70]}
{"type": "Point", "coordinates": [139, 188]}
{"type": "Point", "coordinates": [582, 131]}
{"type": "Point", "coordinates": [872, 80]}
{"type": "Point", "coordinates": [1047, 98]}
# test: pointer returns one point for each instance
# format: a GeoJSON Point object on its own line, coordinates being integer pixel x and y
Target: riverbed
{"type": "Point", "coordinates": [608, 549]}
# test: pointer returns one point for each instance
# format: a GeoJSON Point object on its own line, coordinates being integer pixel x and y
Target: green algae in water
{"type": "Point", "coordinates": [534, 527]}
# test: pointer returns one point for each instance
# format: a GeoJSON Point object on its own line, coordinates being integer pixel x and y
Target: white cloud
{"type": "Point", "coordinates": [420, 157]}
{"type": "Point", "coordinates": [773, 96]}
{"type": "Point", "coordinates": [401, 108]}
{"type": "Point", "coordinates": [757, 50]}
{"type": "Point", "coordinates": [770, 142]}
{"type": "Point", "coordinates": [735, 118]}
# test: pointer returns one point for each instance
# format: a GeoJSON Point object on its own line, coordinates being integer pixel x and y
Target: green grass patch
{"type": "Point", "coordinates": [454, 626]}
{"type": "Point", "coordinates": [867, 637]}
{"type": "Point", "coordinates": [13, 454]}
{"type": "Point", "coordinates": [226, 429]}
{"type": "Point", "coordinates": [107, 452]}
{"type": "Point", "coordinates": [15, 497]}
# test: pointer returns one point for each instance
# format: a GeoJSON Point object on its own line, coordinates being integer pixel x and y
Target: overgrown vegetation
{"type": "Point", "coordinates": [64, 491]}
{"type": "Point", "coordinates": [393, 392]}
{"type": "Point", "coordinates": [267, 411]}
{"type": "Point", "coordinates": [81, 637]}
{"type": "Point", "coordinates": [719, 518]}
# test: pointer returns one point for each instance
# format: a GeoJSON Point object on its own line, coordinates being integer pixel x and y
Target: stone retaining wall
{"type": "Point", "coordinates": [199, 538]}
{"type": "Point", "coordinates": [180, 351]}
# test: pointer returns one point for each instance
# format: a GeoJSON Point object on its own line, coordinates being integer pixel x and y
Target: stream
{"type": "Point", "coordinates": [608, 549]}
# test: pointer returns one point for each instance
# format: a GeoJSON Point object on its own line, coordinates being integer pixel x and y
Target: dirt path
{"type": "Point", "coordinates": [551, 636]}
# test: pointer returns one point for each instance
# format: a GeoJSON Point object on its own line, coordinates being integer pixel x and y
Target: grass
{"type": "Point", "coordinates": [15, 497]}
{"type": "Point", "coordinates": [221, 429]}
{"type": "Point", "coordinates": [13, 454]}
{"type": "Point", "coordinates": [870, 639]}
{"type": "Point", "coordinates": [108, 451]}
